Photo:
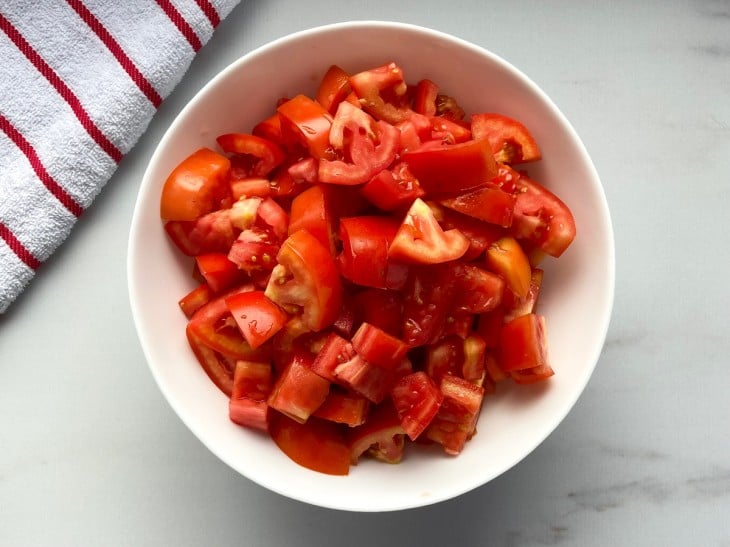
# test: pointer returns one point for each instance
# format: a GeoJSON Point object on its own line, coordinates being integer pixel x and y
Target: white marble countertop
{"type": "Point", "coordinates": [91, 454]}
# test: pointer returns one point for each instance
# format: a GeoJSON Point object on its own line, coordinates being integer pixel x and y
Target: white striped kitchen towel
{"type": "Point", "coordinates": [79, 82]}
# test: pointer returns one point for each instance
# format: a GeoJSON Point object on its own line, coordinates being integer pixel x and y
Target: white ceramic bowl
{"type": "Point", "coordinates": [576, 300]}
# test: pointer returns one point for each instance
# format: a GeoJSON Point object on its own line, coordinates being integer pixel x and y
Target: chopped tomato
{"type": "Point", "coordinates": [392, 189]}
{"type": "Point", "coordinates": [310, 211]}
{"type": "Point", "coordinates": [375, 85]}
{"type": "Point", "coordinates": [523, 343]}
{"type": "Point", "coordinates": [298, 391]}
{"type": "Point", "coordinates": [318, 444]}
{"type": "Point", "coordinates": [306, 277]}
{"type": "Point", "coordinates": [487, 203]}
{"type": "Point", "coordinates": [449, 170]}
{"type": "Point", "coordinates": [251, 386]}
{"type": "Point", "coordinates": [420, 239]}
{"type": "Point", "coordinates": [380, 308]}
{"type": "Point", "coordinates": [214, 326]}
{"type": "Point", "coordinates": [378, 347]}
{"type": "Point", "coordinates": [427, 299]}
{"type": "Point", "coordinates": [333, 89]}
{"type": "Point", "coordinates": [424, 99]}
{"type": "Point", "coordinates": [506, 257]}
{"type": "Point", "coordinates": [510, 140]}
{"type": "Point", "coordinates": [417, 400]}
{"type": "Point", "coordinates": [306, 122]}
{"type": "Point", "coordinates": [370, 145]}
{"type": "Point", "coordinates": [457, 416]}
{"type": "Point", "coordinates": [195, 299]}
{"type": "Point", "coordinates": [219, 273]}
{"type": "Point", "coordinates": [477, 290]}
{"type": "Point", "coordinates": [266, 153]}
{"type": "Point", "coordinates": [364, 260]}
{"type": "Point", "coordinates": [367, 262]}
{"type": "Point", "coordinates": [197, 186]}
{"type": "Point", "coordinates": [346, 408]}
{"type": "Point", "coordinates": [211, 233]}
{"type": "Point", "coordinates": [541, 218]}
{"type": "Point", "coordinates": [257, 317]}
{"type": "Point", "coordinates": [381, 436]}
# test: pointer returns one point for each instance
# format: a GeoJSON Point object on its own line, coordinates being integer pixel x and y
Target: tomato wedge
{"type": "Point", "coordinates": [510, 140]}
{"type": "Point", "coordinates": [257, 317]}
{"type": "Point", "coordinates": [266, 153]}
{"type": "Point", "coordinates": [317, 444]}
{"type": "Point", "coordinates": [306, 122]}
{"type": "Point", "coordinates": [449, 170]}
{"type": "Point", "coordinates": [541, 218]}
{"type": "Point", "coordinates": [306, 276]}
{"type": "Point", "coordinates": [198, 185]}
{"type": "Point", "coordinates": [523, 343]}
{"type": "Point", "coordinates": [420, 239]}
{"type": "Point", "coordinates": [333, 88]}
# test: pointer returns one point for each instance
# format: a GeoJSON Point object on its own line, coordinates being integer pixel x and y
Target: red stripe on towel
{"type": "Point", "coordinates": [210, 12]}
{"type": "Point", "coordinates": [182, 25]}
{"type": "Point", "coordinates": [18, 248]}
{"type": "Point", "coordinates": [48, 181]}
{"type": "Point", "coordinates": [55, 80]}
{"type": "Point", "coordinates": [119, 54]}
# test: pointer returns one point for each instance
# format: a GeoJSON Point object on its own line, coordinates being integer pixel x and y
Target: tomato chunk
{"type": "Point", "coordinates": [317, 444]}
{"type": "Point", "coordinates": [195, 187]}
{"type": "Point", "coordinates": [523, 343]}
{"type": "Point", "coordinates": [420, 239]}
{"type": "Point", "coordinates": [306, 276]}
{"type": "Point", "coordinates": [417, 400]}
{"type": "Point", "coordinates": [510, 140]}
{"type": "Point", "coordinates": [257, 317]}
{"type": "Point", "coordinates": [298, 391]}
{"type": "Point", "coordinates": [449, 170]}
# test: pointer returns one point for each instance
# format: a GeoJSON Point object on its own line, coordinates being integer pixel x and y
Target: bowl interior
{"type": "Point", "coordinates": [514, 421]}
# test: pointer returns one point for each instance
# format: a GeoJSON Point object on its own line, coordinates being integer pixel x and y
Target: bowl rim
{"type": "Point", "coordinates": [178, 405]}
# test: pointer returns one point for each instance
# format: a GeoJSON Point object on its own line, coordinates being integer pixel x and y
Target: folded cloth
{"type": "Point", "coordinates": [79, 82]}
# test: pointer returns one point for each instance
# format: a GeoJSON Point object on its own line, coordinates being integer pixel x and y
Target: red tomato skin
{"type": "Point", "coordinates": [350, 409]}
{"type": "Point", "coordinates": [315, 286]}
{"type": "Point", "coordinates": [392, 189]}
{"type": "Point", "coordinates": [378, 347]}
{"type": "Point", "coordinates": [335, 351]}
{"type": "Point", "coordinates": [510, 141]}
{"type": "Point", "coordinates": [523, 343]}
{"type": "Point", "coordinates": [317, 444]}
{"type": "Point", "coordinates": [310, 211]}
{"type": "Point", "coordinates": [306, 122]}
{"type": "Point", "coordinates": [195, 299]}
{"type": "Point", "coordinates": [258, 318]}
{"type": "Point", "coordinates": [211, 363]}
{"type": "Point", "coordinates": [268, 154]}
{"type": "Point", "coordinates": [364, 259]}
{"type": "Point", "coordinates": [251, 385]}
{"type": "Point", "coordinates": [333, 88]}
{"type": "Point", "coordinates": [449, 170]}
{"type": "Point", "coordinates": [487, 203]}
{"type": "Point", "coordinates": [424, 99]}
{"type": "Point", "coordinates": [197, 186]}
{"type": "Point", "coordinates": [206, 324]}
{"type": "Point", "coordinates": [298, 391]}
{"type": "Point", "coordinates": [220, 273]}
{"type": "Point", "coordinates": [417, 400]}
{"type": "Point", "coordinates": [381, 308]}
{"type": "Point", "coordinates": [541, 218]}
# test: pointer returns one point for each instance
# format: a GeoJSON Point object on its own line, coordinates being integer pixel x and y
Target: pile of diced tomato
{"type": "Point", "coordinates": [367, 263]}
